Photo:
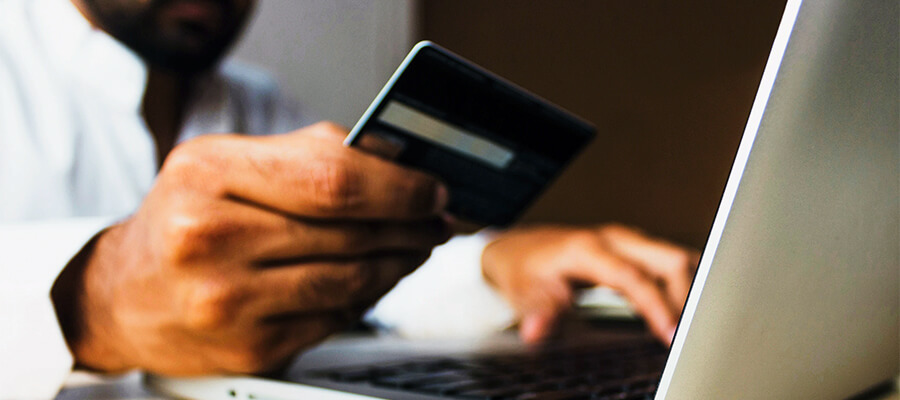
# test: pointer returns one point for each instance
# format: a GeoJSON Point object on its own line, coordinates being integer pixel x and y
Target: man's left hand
{"type": "Point", "coordinates": [536, 269]}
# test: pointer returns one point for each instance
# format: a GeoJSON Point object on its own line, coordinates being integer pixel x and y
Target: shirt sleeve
{"type": "Point", "coordinates": [36, 360]}
{"type": "Point", "coordinates": [447, 297]}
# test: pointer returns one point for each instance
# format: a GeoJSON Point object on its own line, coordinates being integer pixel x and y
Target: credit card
{"type": "Point", "coordinates": [496, 146]}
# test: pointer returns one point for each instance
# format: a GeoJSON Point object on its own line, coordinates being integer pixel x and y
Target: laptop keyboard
{"type": "Point", "coordinates": [628, 372]}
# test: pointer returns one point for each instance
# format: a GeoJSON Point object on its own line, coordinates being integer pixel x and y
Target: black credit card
{"type": "Point", "coordinates": [494, 144]}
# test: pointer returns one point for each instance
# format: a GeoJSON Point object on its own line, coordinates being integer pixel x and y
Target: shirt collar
{"type": "Point", "coordinates": [97, 63]}
{"type": "Point", "coordinates": [90, 57]}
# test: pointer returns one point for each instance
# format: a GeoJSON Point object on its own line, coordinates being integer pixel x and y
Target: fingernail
{"type": "Point", "coordinates": [529, 330]}
{"type": "Point", "coordinates": [441, 197]}
{"type": "Point", "coordinates": [535, 328]}
{"type": "Point", "coordinates": [671, 336]}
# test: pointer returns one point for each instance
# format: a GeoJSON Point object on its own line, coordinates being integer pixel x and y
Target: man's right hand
{"type": "Point", "coordinates": [245, 251]}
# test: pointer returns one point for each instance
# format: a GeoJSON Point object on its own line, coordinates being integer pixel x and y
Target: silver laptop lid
{"type": "Point", "coordinates": [797, 292]}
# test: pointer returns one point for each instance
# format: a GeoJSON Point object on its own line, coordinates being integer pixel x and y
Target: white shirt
{"type": "Point", "coordinates": [76, 156]}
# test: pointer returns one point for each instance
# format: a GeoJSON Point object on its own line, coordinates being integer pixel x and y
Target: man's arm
{"type": "Point", "coordinates": [477, 284]}
{"type": "Point", "coordinates": [246, 251]}
{"type": "Point", "coordinates": [538, 268]}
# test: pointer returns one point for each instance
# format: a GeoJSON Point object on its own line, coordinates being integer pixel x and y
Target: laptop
{"type": "Point", "coordinates": [797, 292]}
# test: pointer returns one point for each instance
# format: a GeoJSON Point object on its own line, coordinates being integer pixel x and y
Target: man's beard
{"type": "Point", "coordinates": [181, 47]}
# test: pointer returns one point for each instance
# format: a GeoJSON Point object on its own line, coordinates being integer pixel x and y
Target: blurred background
{"type": "Point", "coordinates": [669, 85]}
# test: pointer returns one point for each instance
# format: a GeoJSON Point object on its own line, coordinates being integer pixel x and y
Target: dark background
{"type": "Point", "coordinates": [668, 84]}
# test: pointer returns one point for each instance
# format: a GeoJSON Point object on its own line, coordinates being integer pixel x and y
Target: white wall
{"type": "Point", "coordinates": [332, 55]}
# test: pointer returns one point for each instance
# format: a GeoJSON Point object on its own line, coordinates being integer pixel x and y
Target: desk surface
{"type": "Point", "coordinates": [84, 386]}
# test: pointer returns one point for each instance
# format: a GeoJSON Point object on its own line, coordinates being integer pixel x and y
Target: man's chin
{"type": "Point", "coordinates": [182, 66]}
{"type": "Point", "coordinates": [183, 59]}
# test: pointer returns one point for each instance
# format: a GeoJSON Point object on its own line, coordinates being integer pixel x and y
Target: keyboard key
{"type": "Point", "coordinates": [497, 393]}
{"type": "Point", "coordinates": [628, 372]}
{"type": "Point", "coordinates": [352, 375]}
{"type": "Point", "coordinates": [404, 380]}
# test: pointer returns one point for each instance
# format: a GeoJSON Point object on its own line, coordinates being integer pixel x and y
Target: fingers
{"type": "Point", "coordinates": [347, 239]}
{"type": "Point", "coordinates": [530, 265]}
{"type": "Point", "coordinates": [329, 286]}
{"type": "Point", "coordinates": [598, 266]}
{"type": "Point", "coordinates": [536, 327]}
{"type": "Point", "coordinates": [276, 341]}
{"type": "Point", "coordinates": [307, 175]}
{"type": "Point", "coordinates": [543, 305]}
{"type": "Point", "coordinates": [241, 231]}
{"type": "Point", "coordinates": [662, 260]}
{"type": "Point", "coordinates": [304, 332]}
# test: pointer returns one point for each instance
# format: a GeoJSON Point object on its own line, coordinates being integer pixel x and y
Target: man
{"type": "Point", "coordinates": [155, 241]}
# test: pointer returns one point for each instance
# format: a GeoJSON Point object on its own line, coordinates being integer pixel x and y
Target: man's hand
{"type": "Point", "coordinates": [245, 251]}
{"type": "Point", "coordinates": [536, 269]}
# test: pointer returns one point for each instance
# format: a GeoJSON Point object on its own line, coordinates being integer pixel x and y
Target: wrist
{"type": "Point", "coordinates": [82, 311]}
